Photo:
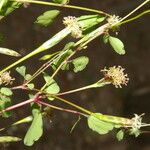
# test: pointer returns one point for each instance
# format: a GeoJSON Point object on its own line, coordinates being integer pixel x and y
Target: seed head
{"type": "Point", "coordinates": [113, 20]}
{"type": "Point", "coordinates": [5, 78]}
{"type": "Point", "coordinates": [73, 24]}
{"type": "Point", "coordinates": [116, 76]}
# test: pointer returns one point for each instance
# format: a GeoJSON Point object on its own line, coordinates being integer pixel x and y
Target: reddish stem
{"type": "Point", "coordinates": [62, 109]}
{"type": "Point", "coordinates": [34, 99]}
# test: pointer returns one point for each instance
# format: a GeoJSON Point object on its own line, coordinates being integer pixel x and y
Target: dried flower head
{"type": "Point", "coordinates": [73, 24]}
{"type": "Point", "coordinates": [113, 20]}
{"type": "Point", "coordinates": [5, 78]}
{"type": "Point", "coordinates": [116, 76]}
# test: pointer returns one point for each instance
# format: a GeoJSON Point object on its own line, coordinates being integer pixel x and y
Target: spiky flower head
{"type": "Point", "coordinates": [73, 24]}
{"type": "Point", "coordinates": [5, 78]}
{"type": "Point", "coordinates": [113, 20]}
{"type": "Point", "coordinates": [116, 76]}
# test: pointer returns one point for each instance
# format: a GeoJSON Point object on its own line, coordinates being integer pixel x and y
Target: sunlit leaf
{"type": "Point", "coordinates": [120, 135]}
{"type": "Point", "coordinates": [6, 91]}
{"type": "Point", "coordinates": [21, 70]}
{"type": "Point", "coordinates": [10, 52]}
{"type": "Point", "coordinates": [36, 129]}
{"type": "Point", "coordinates": [4, 139]}
{"type": "Point", "coordinates": [80, 63]}
{"type": "Point", "coordinates": [96, 124]}
{"type": "Point", "coordinates": [47, 17]}
{"type": "Point", "coordinates": [2, 3]}
{"type": "Point", "coordinates": [117, 45]}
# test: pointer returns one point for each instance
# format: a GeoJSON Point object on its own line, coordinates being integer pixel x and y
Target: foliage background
{"type": "Point", "coordinates": [21, 34]}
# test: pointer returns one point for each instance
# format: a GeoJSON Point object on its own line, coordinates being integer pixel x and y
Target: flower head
{"type": "Point", "coordinates": [113, 20]}
{"type": "Point", "coordinates": [5, 78]}
{"type": "Point", "coordinates": [116, 76]}
{"type": "Point", "coordinates": [73, 24]}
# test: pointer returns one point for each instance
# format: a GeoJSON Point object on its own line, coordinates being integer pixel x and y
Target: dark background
{"type": "Point", "coordinates": [22, 34]}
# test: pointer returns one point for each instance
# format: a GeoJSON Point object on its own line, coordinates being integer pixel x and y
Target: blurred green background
{"type": "Point", "coordinates": [20, 33]}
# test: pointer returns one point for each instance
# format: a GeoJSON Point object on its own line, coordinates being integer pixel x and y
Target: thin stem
{"type": "Point", "coordinates": [73, 105]}
{"type": "Point", "coordinates": [64, 6]}
{"type": "Point", "coordinates": [61, 109]}
{"type": "Point", "coordinates": [137, 8]}
{"type": "Point", "coordinates": [76, 90]}
{"type": "Point", "coordinates": [34, 99]}
{"type": "Point", "coordinates": [56, 71]}
{"type": "Point", "coordinates": [134, 18]}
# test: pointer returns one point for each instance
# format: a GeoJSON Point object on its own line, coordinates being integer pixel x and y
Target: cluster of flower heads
{"type": "Point", "coordinates": [113, 20]}
{"type": "Point", "coordinates": [73, 24]}
{"type": "Point", "coordinates": [116, 76]}
{"type": "Point", "coordinates": [5, 78]}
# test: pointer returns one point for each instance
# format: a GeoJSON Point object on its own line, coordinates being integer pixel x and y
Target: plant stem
{"type": "Point", "coordinates": [59, 67]}
{"type": "Point", "coordinates": [76, 90]}
{"type": "Point", "coordinates": [72, 104]}
{"type": "Point", "coordinates": [63, 6]}
{"type": "Point", "coordinates": [137, 8]}
{"type": "Point", "coordinates": [34, 99]}
{"type": "Point", "coordinates": [134, 18]}
{"type": "Point", "coordinates": [61, 109]}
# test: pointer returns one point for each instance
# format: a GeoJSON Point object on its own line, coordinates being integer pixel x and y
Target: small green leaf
{"type": "Point", "coordinates": [47, 17]}
{"type": "Point", "coordinates": [61, 1]}
{"type": "Point", "coordinates": [106, 38]}
{"type": "Point", "coordinates": [10, 52]}
{"type": "Point", "coordinates": [120, 135]}
{"type": "Point", "coordinates": [28, 77]}
{"type": "Point", "coordinates": [80, 63]}
{"type": "Point", "coordinates": [36, 129]}
{"type": "Point", "coordinates": [96, 124]}
{"type": "Point", "coordinates": [117, 45]}
{"type": "Point", "coordinates": [6, 91]}
{"type": "Point", "coordinates": [52, 86]}
{"type": "Point", "coordinates": [4, 139]}
{"type": "Point", "coordinates": [21, 70]}
{"type": "Point", "coordinates": [4, 103]}
{"type": "Point", "coordinates": [30, 86]}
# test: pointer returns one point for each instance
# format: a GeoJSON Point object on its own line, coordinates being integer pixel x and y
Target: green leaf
{"type": "Point", "coordinates": [9, 7]}
{"type": "Point", "coordinates": [2, 3]}
{"type": "Point", "coordinates": [88, 21]}
{"type": "Point", "coordinates": [10, 52]}
{"type": "Point", "coordinates": [4, 103]}
{"type": "Point", "coordinates": [120, 135]}
{"type": "Point", "coordinates": [106, 38]}
{"type": "Point", "coordinates": [96, 124]}
{"type": "Point", "coordinates": [47, 17]}
{"type": "Point", "coordinates": [80, 63]}
{"type": "Point", "coordinates": [61, 1]}
{"type": "Point", "coordinates": [4, 139]}
{"type": "Point", "coordinates": [30, 86]}
{"type": "Point", "coordinates": [21, 70]}
{"type": "Point", "coordinates": [6, 91]}
{"type": "Point", "coordinates": [52, 86]}
{"type": "Point", "coordinates": [28, 77]}
{"type": "Point", "coordinates": [36, 129]}
{"type": "Point", "coordinates": [117, 45]}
